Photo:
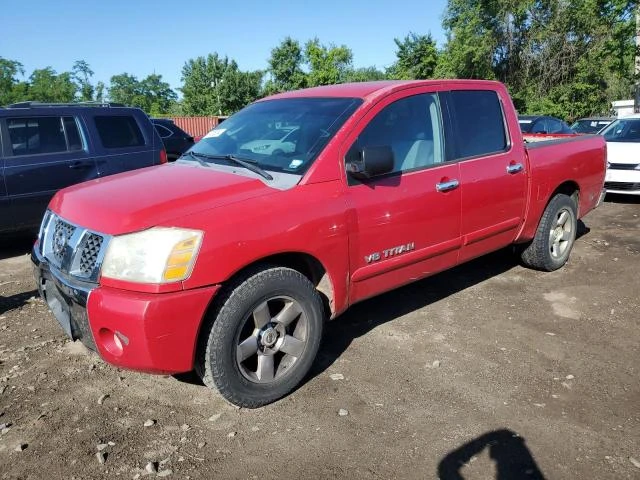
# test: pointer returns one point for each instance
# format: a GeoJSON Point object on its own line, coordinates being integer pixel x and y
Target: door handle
{"type": "Point", "coordinates": [514, 168]}
{"type": "Point", "coordinates": [79, 164]}
{"type": "Point", "coordinates": [446, 186]}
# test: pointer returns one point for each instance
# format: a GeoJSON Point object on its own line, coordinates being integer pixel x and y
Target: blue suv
{"type": "Point", "coordinates": [45, 147]}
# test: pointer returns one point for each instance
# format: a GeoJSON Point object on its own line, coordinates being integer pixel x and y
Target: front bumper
{"type": "Point", "coordinates": [623, 181]}
{"type": "Point", "coordinates": [155, 333]}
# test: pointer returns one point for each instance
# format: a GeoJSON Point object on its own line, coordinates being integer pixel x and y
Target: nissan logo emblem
{"type": "Point", "coordinates": [59, 242]}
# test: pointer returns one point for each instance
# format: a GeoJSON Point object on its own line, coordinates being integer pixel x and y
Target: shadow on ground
{"type": "Point", "coordinates": [513, 460]}
{"type": "Point", "coordinates": [15, 301]}
{"type": "Point", "coordinates": [365, 316]}
{"type": "Point", "coordinates": [15, 245]}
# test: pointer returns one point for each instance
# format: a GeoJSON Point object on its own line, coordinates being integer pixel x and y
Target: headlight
{"type": "Point", "coordinates": [157, 255]}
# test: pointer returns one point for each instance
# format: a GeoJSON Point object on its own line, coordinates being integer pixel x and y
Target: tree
{"type": "Point", "coordinates": [82, 73]}
{"type": "Point", "coordinates": [213, 85]}
{"type": "Point", "coordinates": [150, 94]}
{"type": "Point", "coordinates": [45, 85]}
{"type": "Point", "coordinates": [328, 65]}
{"type": "Point", "coordinates": [157, 94]}
{"type": "Point", "coordinates": [100, 92]}
{"type": "Point", "coordinates": [9, 70]}
{"type": "Point", "coordinates": [365, 74]}
{"type": "Point", "coordinates": [569, 58]}
{"type": "Point", "coordinates": [285, 67]}
{"type": "Point", "coordinates": [417, 57]}
{"type": "Point", "coordinates": [125, 89]}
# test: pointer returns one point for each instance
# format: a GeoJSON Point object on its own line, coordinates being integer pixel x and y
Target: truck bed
{"type": "Point", "coordinates": [582, 156]}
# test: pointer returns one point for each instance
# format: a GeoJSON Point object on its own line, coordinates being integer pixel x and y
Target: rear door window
{"type": "Point", "coordinates": [119, 131]}
{"type": "Point", "coordinates": [479, 123]}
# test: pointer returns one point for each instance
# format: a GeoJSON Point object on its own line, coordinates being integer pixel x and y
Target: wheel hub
{"type": "Point", "coordinates": [558, 233]}
{"type": "Point", "coordinates": [269, 337]}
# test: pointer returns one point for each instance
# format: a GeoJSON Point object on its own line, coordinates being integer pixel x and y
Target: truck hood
{"type": "Point", "coordinates": [623, 152]}
{"type": "Point", "coordinates": [147, 197]}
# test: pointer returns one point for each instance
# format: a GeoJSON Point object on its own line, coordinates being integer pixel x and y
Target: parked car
{"type": "Point", "coordinates": [233, 265]}
{"type": "Point", "coordinates": [542, 124]}
{"type": "Point", "coordinates": [45, 147]}
{"type": "Point", "coordinates": [623, 153]}
{"type": "Point", "coordinates": [275, 142]}
{"type": "Point", "coordinates": [591, 125]}
{"type": "Point", "coordinates": [176, 141]}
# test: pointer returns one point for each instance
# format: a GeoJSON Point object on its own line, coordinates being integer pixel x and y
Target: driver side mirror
{"type": "Point", "coordinates": [374, 161]}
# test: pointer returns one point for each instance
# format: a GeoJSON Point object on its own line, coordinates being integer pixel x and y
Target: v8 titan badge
{"type": "Point", "coordinates": [389, 252]}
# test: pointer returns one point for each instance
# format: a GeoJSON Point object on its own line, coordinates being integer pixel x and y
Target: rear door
{"type": "Point", "coordinates": [406, 224]}
{"type": "Point", "coordinates": [493, 171]}
{"type": "Point", "coordinates": [123, 142]}
{"type": "Point", "coordinates": [43, 154]}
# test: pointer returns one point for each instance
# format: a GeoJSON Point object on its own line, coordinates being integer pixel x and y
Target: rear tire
{"type": "Point", "coordinates": [555, 236]}
{"type": "Point", "coordinates": [262, 340]}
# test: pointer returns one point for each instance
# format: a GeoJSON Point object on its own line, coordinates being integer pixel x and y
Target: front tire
{"type": "Point", "coordinates": [263, 338]}
{"type": "Point", "coordinates": [555, 236]}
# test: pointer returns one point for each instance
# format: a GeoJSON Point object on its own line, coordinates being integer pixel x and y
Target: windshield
{"type": "Point", "coordinates": [589, 126]}
{"type": "Point", "coordinates": [284, 135]}
{"type": "Point", "coordinates": [623, 130]}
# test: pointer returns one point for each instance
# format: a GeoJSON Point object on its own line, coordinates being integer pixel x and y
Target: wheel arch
{"type": "Point", "coordinates": [569, 188]}
{"type": "Point", "coordinates": [305, 263]}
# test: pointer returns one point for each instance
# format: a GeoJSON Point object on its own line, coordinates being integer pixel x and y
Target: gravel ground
{"type": "Point", "coordinates": [486, 371]}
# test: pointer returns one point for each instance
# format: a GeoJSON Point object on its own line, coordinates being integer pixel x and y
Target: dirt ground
{"type": "Point", "coordinates": [487, 371]}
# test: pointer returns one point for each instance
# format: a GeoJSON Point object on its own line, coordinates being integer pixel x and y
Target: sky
{"type": "Point", "coordinates": [141, 37]}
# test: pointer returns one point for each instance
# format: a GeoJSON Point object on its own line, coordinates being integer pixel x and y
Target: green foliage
{"type": "Point", "coordinates": [9, 71]}
{"type": "Point", "coordinates": [82, 74]}
{"type": "Point", "coordinates": [216, 86]}
{"type": "Point", "coordinates": [328, 65]}
{"type": "Point", "coordinates": [366, 74]}
{"type": "Point", "coordinates": [566, 58]}
{"type": "Point", "coordinates": [45, 85]}
{"type": "Point", "coordinates": [285, 67]}
{"type": "Point", "coordinates": [150, 94]}
{"type": "Point", "coordinates": [417, 57]}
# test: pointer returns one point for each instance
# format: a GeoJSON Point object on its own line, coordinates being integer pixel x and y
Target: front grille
{"type": "Point", "coordinates": [62, 232]}
{"type": "Point", "coordinates": [623, 166]}
{"type": "Point", "coordinates": [622, 186]}
{"type": "Point", "coordinates": [89, 253]}
{"type": "Point", "coordinates": [73, 250]}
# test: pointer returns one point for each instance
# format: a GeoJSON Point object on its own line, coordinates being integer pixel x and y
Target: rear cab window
{"type": "Point", "coordinates": [43, 135]}
{"type": "Point", "coordinates": [478, 123]}
{"type": "Point", "coordinates": [119, 131]}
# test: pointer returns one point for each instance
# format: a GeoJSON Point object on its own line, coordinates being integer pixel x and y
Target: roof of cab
{"type": "Point", "coordinates": [370, 89]}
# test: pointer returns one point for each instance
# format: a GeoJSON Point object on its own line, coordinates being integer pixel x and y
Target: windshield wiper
{"type": "Point", "coordinates": [243, 162]}
{"type": "Point", "coordinates": [197, 159]}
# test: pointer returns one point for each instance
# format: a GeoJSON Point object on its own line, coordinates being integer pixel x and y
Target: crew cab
{"type": "Point", "coordinates": [228, 261]}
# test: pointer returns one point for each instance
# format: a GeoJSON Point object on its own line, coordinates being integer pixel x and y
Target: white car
{"type": "Point", "coordinates": [623, 155]}
{"type": "Point", "coordinates": [275, 142]}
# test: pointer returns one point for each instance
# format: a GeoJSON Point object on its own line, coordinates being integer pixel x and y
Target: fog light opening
{"type": "Point", "coordinates": [110, 341]}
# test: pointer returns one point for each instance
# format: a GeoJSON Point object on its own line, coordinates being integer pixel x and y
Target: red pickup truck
{"type": "Point", "coordinates": [229, 260]}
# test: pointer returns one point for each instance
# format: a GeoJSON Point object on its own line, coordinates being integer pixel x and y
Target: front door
{"type": "Point", "coordinates": [44, 154]}
{"type": "Point", "coordinates": [493, 172]}
{"type": "Point", "coordinates": [404, 225]}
